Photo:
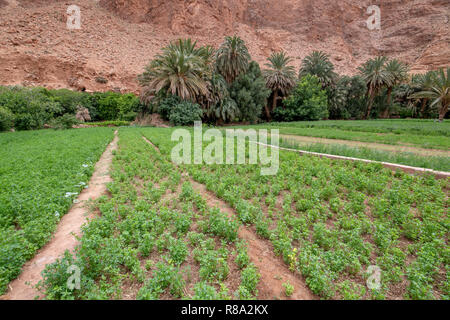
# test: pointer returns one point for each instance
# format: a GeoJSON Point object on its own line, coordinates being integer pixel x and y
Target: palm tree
{"type": "Point", "coordinates": [398, 72]}
{"type": "Point", "coordinates": [217, 92]}
{"type": "Point", "coordinates": [439, 92]}
{"type": "Point", "coordinates": [376, 77]}
{"type": "Point", "coordinates": [423, 82]}
{"type": "Point", "coordinates": [226, 110]}
{"type": "Point", "coordinates": [280, 77]}
{"type": "Point", "coordinates": [180, 70]}
{"type": "Point", "coordinates": [319, 65]}
{"type": "Point", "coordinates": [232, 58]}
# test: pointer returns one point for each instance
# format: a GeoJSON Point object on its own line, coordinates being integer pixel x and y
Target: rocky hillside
{"type": "Point", "coordinates": [118, 37]}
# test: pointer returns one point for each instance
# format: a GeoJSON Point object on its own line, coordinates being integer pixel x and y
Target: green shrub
{"type": "Point", "coordinates": [307, 102]}
{"type": "Point", "coordinates": [203, 291]}
{"type": "Point", "coordinates": [6, 119]}
{"type": "Point", "coordinates": [32, 107]}
{"type": "Point", "coordinates": [288, 289]}
{"type": "Point", "coordinates": [250, 93]}
{"type": "Point", "coordinates": [185, 113]}
{"type": "Point", "coordinates": [250, 278]}
{"type": "Point", "coordinates": [69, 100]}
{"type": "Point", "coordinates": [66, 121]}
{"type": "Point", "coordinates": [166, 106]}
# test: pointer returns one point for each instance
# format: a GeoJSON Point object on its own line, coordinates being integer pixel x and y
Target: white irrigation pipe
{"type": "Point", "coordinates": [393, 166]}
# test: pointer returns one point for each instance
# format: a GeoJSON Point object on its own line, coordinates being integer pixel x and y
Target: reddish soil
{"type": "Point", "coordinates": [64, 237]}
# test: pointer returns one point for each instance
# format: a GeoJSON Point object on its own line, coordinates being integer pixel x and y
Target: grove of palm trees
{"type": "Point", "coordinates": [226, 85]}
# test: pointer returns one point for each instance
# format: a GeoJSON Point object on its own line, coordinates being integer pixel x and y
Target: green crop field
{"type": "Point", "coordinates": [157, 236]}
{"type": "Point", "coordinates": [41, 173]}
{"type": "Point", "coordinates": [328, 220]}
{"type": "Point", "coordinates": [425, 143]}
{"type": "Point", "coordinates": [418, 133]}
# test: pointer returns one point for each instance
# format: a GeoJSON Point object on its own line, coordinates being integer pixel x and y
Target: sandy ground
{"type": "Point", "coordinates": [64, 237]}
{"type": "Point", "coordinates": [303, 140]}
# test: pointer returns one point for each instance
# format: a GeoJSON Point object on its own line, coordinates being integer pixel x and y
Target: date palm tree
{"type": "Point", "coordinates": [318, 64]}
{"type": "Point", "coordinates": [376, 77]}
{"type": "Point", "coordinates": [423, 82]}
{"type": "Point", "coordinates": [280, 77]}
{"type": "Point", "coordinates": [180, 69]}
{"type": "Point", "coordinates": [232, 58]}
{"type": "Point", "coordinates": [438, 91]}
{"type": "Point", "coordinates": [398, 72]}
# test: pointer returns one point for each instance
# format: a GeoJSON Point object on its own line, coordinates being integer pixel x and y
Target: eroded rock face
{"type": "Point", "coordinates": [118, 37]}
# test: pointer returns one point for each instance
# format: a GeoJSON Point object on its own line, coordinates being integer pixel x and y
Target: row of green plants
{"type": "Point", "coordinates": [24, 108]}
{"type": "Point", "coordinates": [439, 163]}
{"type": "Point", "coordinates": [156, 234]}
{"type": "Point", "coordinates": [226, 85]}
{"type": "Point", "coordinates": [41, 173]}
{"type": "Point", "coordinates": [405, 139]}
{"type": "Point", "coordinates": [392, 126]}
{"type": "Point", "coordinates": [330, 220]}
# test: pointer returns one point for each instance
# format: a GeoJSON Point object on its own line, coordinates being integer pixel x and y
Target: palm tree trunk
{"type": "Point", "coordinates": [386, 111]}
{"type": "Point", "coordinates": [442, 112]}
{"type": "Point", "coordinates": [369, 106]}
{"type": "Point", "coordinates": [269, 118]}
{"type": "Point", "coordinates": [424, 105]}
{"type": "Point", "coordinates": [275, 98]}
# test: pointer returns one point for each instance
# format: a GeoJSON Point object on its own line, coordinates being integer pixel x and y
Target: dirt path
{"type": "Point", "coordinates": [303, 140]}
{"type": "Point", "coordinates": [63, 239]}
{"type": "Point", "coordinates": [274, 272]}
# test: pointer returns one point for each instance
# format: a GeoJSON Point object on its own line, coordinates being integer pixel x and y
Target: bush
{"type": "Point", "coordinates": [66, 121]}
{"type": "Point", "coordinates": [250, 93]}
{"type": "Point", "coordinates": [6, 119]}
{"type": "Point", "coordinates": [307, 102]}
{"type": "Point", "coordinates": [185, 113]}
{"type": "Point", "coordinates": [32, 108]}
{"type": "Point", "coordinates": [166, 106]}
{"type": "Point", "coordinates": [68, 100]}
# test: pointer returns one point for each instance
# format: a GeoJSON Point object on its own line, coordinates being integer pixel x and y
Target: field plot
{"type": "Point", "coordinates": [419, 133]}
{"type": "Point", "coordinates": [330, 220]}
{"type": "Point", "coordinates": [424, 144]}
{"type": "Point", "coordinates": [158, 235]}
{"type": "Point", "coordinates": [155, 238]}
{"type": "Point", "coordinates": [41, 173]}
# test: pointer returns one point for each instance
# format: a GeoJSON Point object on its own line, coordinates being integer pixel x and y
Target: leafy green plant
{"type": "Point", "coordinates": [250, 278]}
{"type": "Point", "coordinates": [6, 119]}
{"type": "Point", "coordinates": [288, 289]}
{"type": "Point", "coordinates": [307, 102]}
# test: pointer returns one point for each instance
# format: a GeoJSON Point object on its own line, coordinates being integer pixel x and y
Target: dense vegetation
{"type": "Point", "coordinates": [25, 108]}
{"type": "Point", "coordinates": [41, 173]}
{"type": "Point", "coordinates": [228, 86]}
{"type": "Point", "coordinates": [186, 82]}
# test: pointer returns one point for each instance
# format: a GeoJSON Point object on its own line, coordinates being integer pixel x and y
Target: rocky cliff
{"type": "Point", "coordinates": [118, 37]}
